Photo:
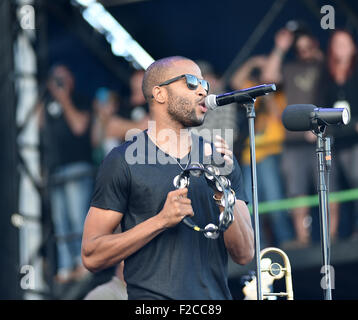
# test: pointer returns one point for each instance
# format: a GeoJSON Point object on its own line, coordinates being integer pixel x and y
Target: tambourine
{"type": "Point", "coordinates": [218, 183]}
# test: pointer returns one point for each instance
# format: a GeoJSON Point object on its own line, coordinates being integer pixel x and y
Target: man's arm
{"type": "Point", "coordinates": [272, 70]}
{"type": "Point", "coordinates": [242, 74]}
{"type": "Point", "coordinates": [239, 237]}
{"type": "Point", "coordinates": [118, 126]}
{"type": "Point", "coordinates": [78, 121]}
{"type": "Point", "coordinates": [102, 249]}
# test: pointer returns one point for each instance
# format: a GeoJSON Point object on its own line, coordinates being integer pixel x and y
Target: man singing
{"type": "Point", "coordinates": [164, 259]}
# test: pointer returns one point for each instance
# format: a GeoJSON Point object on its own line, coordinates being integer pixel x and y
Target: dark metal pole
{"type": "Point", "coordinates": [323, 212]}
{"type": "Point", "coordinates": [250, 113]}
{"type": "Point", "coordinates": [9, 185]}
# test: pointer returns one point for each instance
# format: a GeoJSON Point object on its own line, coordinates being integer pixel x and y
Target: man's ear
{"type": "Point", "coordinates": [159, 94]}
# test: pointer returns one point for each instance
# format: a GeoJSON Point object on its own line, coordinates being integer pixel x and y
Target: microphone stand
{"type": "Point", "coordinates": [250, 114]}
{"type": "Point", "coordinates": [323, 152]}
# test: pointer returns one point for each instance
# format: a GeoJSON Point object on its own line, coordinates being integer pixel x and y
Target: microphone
{"type": "Point", "coordinates": [240, 96]}
{"type": "Point", "coordinates": [305, 117]}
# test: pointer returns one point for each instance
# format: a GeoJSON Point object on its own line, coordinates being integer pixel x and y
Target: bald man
{"type": "Point", "coordinates": [164, 259]}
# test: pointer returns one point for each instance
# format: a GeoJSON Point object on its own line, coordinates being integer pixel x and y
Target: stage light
{"type": "Point", "coordinates": [122, 43]}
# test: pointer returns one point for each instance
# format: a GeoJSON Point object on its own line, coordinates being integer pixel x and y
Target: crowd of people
{"type": "Point", "coordinates": [286, 161]}
{"type": "Point", "coordinates": [77, 134]}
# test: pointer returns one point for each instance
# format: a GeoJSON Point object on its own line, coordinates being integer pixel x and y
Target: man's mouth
{"type": "Point", "coordinates": [202, 106]}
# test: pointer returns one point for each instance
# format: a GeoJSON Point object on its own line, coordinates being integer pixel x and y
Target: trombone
{"type": "Point", "coordinates": [271, 271]}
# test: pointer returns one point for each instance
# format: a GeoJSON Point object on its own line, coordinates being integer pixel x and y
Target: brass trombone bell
{"type": "Point", "coordinates": [276, 271]}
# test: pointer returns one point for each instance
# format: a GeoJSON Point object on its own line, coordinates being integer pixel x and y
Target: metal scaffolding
{"type": "Point", "coordinates": [25, 70]}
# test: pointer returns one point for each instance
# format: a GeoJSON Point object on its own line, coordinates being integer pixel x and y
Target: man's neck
{"type": "Point", "coordinates": [175, 141]}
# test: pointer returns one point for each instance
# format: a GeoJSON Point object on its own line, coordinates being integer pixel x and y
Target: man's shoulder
{"type": "Point", "coordinates": [124, 150]}
{"type": "Point", "coordinates": [139, 137]}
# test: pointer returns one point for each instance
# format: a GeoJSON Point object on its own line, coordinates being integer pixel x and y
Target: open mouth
{"type": "Point", "coordinates": [202, 106]}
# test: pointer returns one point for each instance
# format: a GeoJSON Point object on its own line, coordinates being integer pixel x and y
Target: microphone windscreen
{"type": "Point", "coordinates": [210, 101]}
{"type": "Point", "coordinates": [297, 117]}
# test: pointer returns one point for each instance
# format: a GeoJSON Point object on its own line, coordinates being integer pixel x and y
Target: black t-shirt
{"type": "Point", "coordinates": [300, 85]}
{"type": "Point", "coordinates": [60, 145]}
{"type": "Point", "coordinates": [179, 263]}
{"type": "Point", "coordinates": [340, 96]}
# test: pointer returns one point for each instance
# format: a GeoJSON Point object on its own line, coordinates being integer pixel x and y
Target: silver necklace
{"type": "Point", "coordinates": [184, 181]}
{"type": "Point", "coordinates": [189, 155]}
{"type": "Point", "coordinates": [187, 164]}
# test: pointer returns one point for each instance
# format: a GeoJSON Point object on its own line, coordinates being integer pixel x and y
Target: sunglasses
{"type": "Point", "coordinates": [192, 82]}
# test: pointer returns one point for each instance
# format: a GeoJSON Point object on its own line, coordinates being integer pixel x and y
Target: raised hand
{"type": "Point", "coordinates": [284, 39]}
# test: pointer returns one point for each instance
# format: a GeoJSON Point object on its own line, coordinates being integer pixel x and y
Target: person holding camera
{"type": "Point", "coordinates": [66, 159]}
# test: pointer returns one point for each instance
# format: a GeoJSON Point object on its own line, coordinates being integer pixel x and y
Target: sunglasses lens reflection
{"type": "Point", "coordinates": [205, 85]}
{"type": "Point", "coordinates": [193, 83]}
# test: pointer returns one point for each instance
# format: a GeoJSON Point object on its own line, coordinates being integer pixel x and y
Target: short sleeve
{"type": "Point", "coordinates": [112, 183]}
{"type": "Point", "coordinates": [237, 182]}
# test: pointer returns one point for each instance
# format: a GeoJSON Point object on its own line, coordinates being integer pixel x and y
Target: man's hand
{"type": "Point", "coordinates": [60, 93]}
{"type": "Point", "coordinates": [104, 111]}
{"type": "Point", "coordinates": [284, 39]}
{"type": "Point", "coordinates": [177, 206]}
{"type": "Point", "coordinates": [222, 147]}
{"type": "Point", "coordinates": [78, 121]}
